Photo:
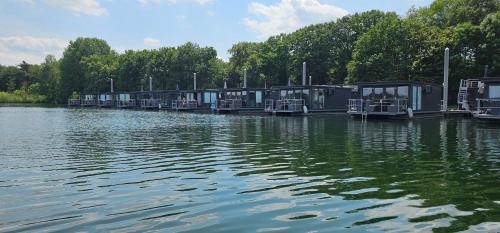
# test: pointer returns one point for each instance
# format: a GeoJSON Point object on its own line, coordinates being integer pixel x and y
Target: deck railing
{"type": "Point", "coordinates": [105, 103]}
{"type": "Point", "coordinates": [89, 102]}
{"type": "Point", "coordinates": [382, 105]}
{"type": "Point", "coordinates": [290, 105]}
{"type": "Point", "coordinates": [74, 102]}
{"type": "Point", "coordinates": [231, 104]}
{"type": "Point", "coordinates": [269, 105]}
{"type": "Point", "coordinates": [150, 103]}
{"type": "Point", "coordinates": [488, 106]}
{"type": "Point", "coordinates": [125, 103]}
{"type": "Point", "coordinates": [184, 104]}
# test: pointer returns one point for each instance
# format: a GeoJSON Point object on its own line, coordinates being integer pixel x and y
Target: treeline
{"type": "Point", "coordinates": [367, 46]}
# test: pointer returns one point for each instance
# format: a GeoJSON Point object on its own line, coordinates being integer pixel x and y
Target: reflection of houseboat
{"type": "Point", "coordinates": [487, 103]}
{"type": "Point", "coordinates": [307, 99]}
{"type": "Point", "coordinates": [240, 100]}
{"type": "Point", "coordinates": [105, 100]}
{"type": "Point", "coordinates": [395, 100]}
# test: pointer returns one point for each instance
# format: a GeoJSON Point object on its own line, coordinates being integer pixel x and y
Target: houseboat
{"type": "Point", "coordinates": [126, 100]}
{"type": "Point", "coordinates": [292, 100]}
{"type": "Point", "coordinates": [149, 100]}
{"type": "Point", "coordinates": [235, 100]}
{"type": "Point", "coordinates": [187, 100]}
{"type": "Point", "coordinates": [88, 100]}
{"type": "Point", "coordinates": [487, 101]}
{"type": "Point", "coordinates": [395, 100]}
{"type": "Point", "coordinates": [74, 102]}
{"type": "Point", "coordinates": [105, 100]}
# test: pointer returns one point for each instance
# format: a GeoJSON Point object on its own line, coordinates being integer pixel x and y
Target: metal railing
{"type": "Point", "coordinates": [184, 104]}
{"type": "Point", "coordinates": [488, 106]}
{"type": "Point", "coordinates": [381, 105]}
{"type": "Point", "coordinates": [269, 105]}
{"type": "Point", "coordinates": [290, 105]}
{"type": "Point", "coordinates": [125, 104]}
{"type": "Point", "coordinates": [150, 103]}
{"type": "Point", "coordinates": [74, 102]}
{"type": "Point", "coordinates": [105, 103]}
{"type": "Point", "coordinates": [230, 104]}
{"type": "Point", "coordinates": [89, 102]}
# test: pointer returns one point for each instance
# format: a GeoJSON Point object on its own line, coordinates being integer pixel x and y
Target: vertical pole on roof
{"type": "Point", "coordinates": [445, 83]}
{"type": "Point", "coordinates": [194, 81]}
{"type": "Point", "coordinates": [486, 71]}
{"type": "Point", "coordinates": [304, 74]}
{"type": "Point", "coordinates": [150, 83]}
{"type": "Point", "coordinates": [225, 84]}
{"type": "Point", "coordinates": [112, 90]}
{"type": "Point", "coordinates": [289, 82]}
{"type": "Point", "coordinates": [310, 80]}
{"type": "Point", "coordinates": [245, 78]}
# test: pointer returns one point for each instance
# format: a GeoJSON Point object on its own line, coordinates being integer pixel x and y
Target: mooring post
{"type": "Point", "coordinates": [445, 83]}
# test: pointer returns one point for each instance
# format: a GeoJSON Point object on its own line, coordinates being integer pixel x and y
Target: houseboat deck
{"type": "Point", "coordinates": [184, 105]}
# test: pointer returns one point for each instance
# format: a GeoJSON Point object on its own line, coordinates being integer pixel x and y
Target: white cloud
{"type": "Point", "coordinates": [151, 42]}
{"type": "Point", "coordinates": [289, 15]}
{"type": "Point", "coordinates": [172, 2]}
{"type": "Point", "coordinates": [14, 49]}
{"type": "Point", "coordinates": [211, 13]}
{"type": "Point", "coordinates": [87, 7]}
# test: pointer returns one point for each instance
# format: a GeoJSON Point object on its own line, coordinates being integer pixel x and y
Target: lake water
{"type": "Point", "coordinates": [126, 171]}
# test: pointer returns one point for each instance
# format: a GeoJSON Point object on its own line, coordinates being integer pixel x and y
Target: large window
{"type": "Point", "coordinates": [417, 97]}
{"type": "Point", "coordinates": [367, 92]}
{"type": "Point", "coordinates": [390, 92]}
{"type": "Point", "coordinates": [494, 91]}
{"type": "Point", "coordinates": [403, 92]}
{"type": "Point", "coordinates": [258, 97]}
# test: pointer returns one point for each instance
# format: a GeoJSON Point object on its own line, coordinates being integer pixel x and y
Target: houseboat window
{"type": "Point", "coordinates": [206, 97]}
{"type": "Point", "coordinates": [390, 92]}
{"type": "Point", "coordinates": [290, 94]}
{"type": "Point", "coordinates": [367, 92]}
{"type": "Point", "coordinates": [213, 97]}
{"type": "Point", "coordinates": [403, 92]}
{"type": "Point", "coordinates": [378, 93]}
{"type": "Point", "coordinates": [494, 91]}
{"type": "Point", "coordinates": [283, 94]}
{"type": "Point", "coordinates": [258, 97]}
{"type": "Point", "coordinates": [417, 97]}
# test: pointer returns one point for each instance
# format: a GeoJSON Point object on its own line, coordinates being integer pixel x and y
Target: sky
{"type": "Point", "coordinates": [31, 29]}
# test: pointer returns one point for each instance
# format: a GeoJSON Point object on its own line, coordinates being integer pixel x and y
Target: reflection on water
{"type": "Point", "coordinates": [109, 170]}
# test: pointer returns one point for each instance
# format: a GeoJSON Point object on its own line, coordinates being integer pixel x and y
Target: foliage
{"type": "Point", "coordinates": [368, 46]}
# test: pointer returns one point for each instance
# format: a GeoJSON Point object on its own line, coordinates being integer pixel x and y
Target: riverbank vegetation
{"type": "Point", "coordinates": [368, 46]}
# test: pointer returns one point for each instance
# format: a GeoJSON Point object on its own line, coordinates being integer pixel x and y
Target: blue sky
{"type": "Point", "coordinates": [30, 29]}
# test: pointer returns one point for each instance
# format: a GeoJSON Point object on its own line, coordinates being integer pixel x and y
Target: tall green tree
{"type": "Point", "coordinates": [49, 78]}
{"type": "Point", "coordinates": [72, 71]}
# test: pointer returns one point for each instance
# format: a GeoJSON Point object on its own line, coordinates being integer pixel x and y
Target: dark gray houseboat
{"type": "Point", "coordinates": [105, 100]}
{"type": "Point", "coordinates": [395, 100]}
{"type": "Point", "coordinates": [235, 100]}
{"type": "Point", "coordinates": [89, 100]}
{"type": "Point", "coordinates": [126, 100]}
{"type": "Point", "coordinates": [482, 97]}
{"type": "Point", "coordinates": [291, 100]}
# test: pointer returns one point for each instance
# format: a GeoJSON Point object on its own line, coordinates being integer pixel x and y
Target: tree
{"type": "Point", "coordinates": [98, 70]}
{"type": "Point", "coordinates": [49, 78]}
{"type": "Point", "coordinates": [72, 71]}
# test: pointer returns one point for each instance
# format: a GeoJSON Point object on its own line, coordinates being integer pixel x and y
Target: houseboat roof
{"type": "Point", "coordinates": [490, 79]}
{"type": "Point", "coordinates": [397, 82]}
{"type": "Point", "coordinates": [307, 86]}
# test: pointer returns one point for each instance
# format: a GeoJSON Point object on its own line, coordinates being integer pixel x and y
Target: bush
{"type": "Point", "coordinates": [20, 96]}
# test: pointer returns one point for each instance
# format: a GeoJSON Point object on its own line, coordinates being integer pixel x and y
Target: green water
{"type": "Point", "coordinates": [74, 170]}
